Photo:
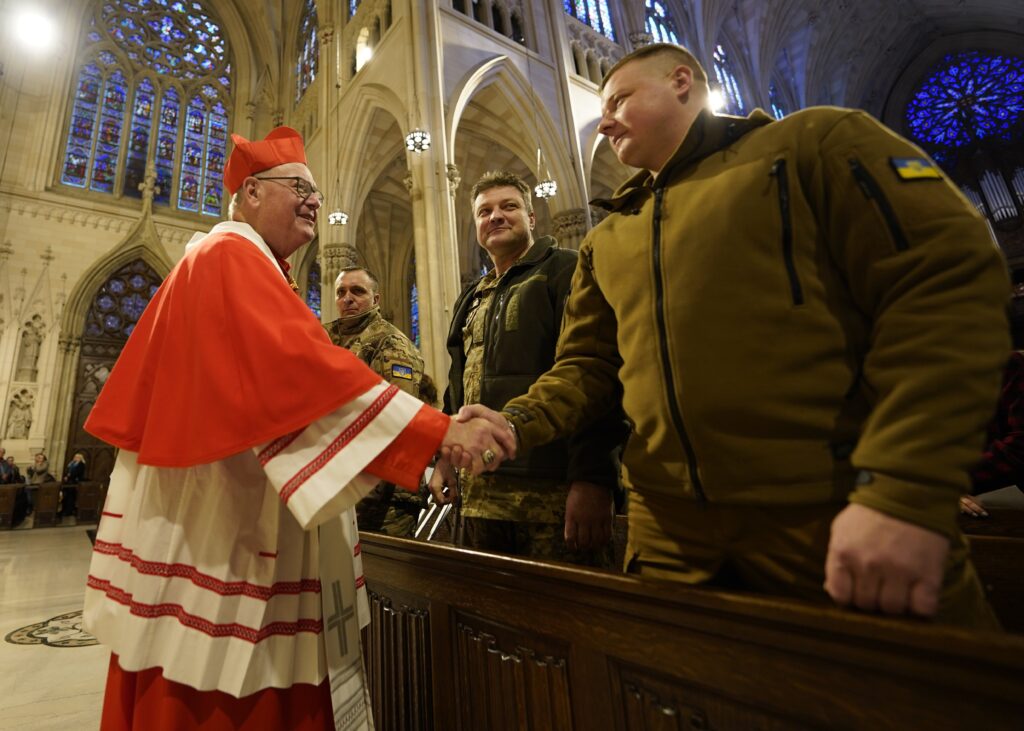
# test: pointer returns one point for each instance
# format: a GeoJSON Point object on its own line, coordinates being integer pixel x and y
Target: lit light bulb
{"type": "Point", "coordinates": [417, 141]}
{"type": "Point", "coordinates": [716, 100]}
{"type": "Point", "coordinates": [546, 189]}
{"type": "Point", "coordinates": [34, 30]}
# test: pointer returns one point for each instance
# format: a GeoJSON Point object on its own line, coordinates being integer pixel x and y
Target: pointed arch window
{"type": "Point", "coordinates": [313, 288]}
{"type": "Point", "coordinates": [727, 81]}
{"type": "Point", "coordinates": [153, 83]}
{"type": "Point", "coordinates": [353, 6]}
{"type": "Point", "coordinates": [121, 300]}
{"type": "Point", "coordinates": [308, 48]}
{"type": "Point", "coordinates": [775, 100]}
{"type": "Point", "coordinates": [592, 12]}
{"type": "Point", "coordinates": [660, 24]}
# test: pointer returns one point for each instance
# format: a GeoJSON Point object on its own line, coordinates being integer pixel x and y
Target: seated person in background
{"type": "Point", "coordinates": [74, 473]}
{"type": "Point", "coordinates": [1003, 462]}
{"type": "Point", "coordinates": [39, 471]}
{"type": "Point", "coordinates": [361, 329]}
{"type": "Point", "coordinates": [5, 470]}
{"type": "Point", "coordinates": [13, 473]}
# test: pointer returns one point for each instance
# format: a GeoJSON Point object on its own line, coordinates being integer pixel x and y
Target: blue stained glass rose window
{"type": "Point", "coordinates": [120, 117]}
{"type": "Point", "coordinates": [133, 305]}
{"type": "Point", "coordinates": [968, 97]}
{"type": "Point", "coordinates": [121, 300]}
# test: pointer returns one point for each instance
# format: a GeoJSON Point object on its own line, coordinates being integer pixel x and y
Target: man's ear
{"type": "Point", "coordinates": [533, 220]}
{"type": "Point", "coordinates": [682, 81]}
{"type": "Point", "coordinates": [376, 298]}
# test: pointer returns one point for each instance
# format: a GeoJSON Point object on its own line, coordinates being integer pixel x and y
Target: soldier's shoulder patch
{"type": "Point", "coordinates": [915, 168]}
{"type": "Point", "coordinates": [399, 370]}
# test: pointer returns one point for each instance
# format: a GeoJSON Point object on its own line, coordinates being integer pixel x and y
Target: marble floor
{"type": "Point", "coordinates": [51, 674]}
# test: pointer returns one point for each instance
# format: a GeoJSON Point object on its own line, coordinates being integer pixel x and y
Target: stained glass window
{"type": "Point", "coordinates": [778, 108]}
{"type": "Point", "coordinates": [313, 288]}
{"type": "Point", "coordinates": [660, 24]}
{"type": "Point", "coordinates": [414, 310]}
{"type": "Point", "coordinates": [969, 96]}
{"type": "Point", "coordinates": [727, 80]}
{"type": "Point", "coordinates": [138, 138]}
{"type": "Point", "coordinates": [353, 6]}
{"type": "Point", "coordinates": [121, 300]}
{"type": "Point", "coordinates": [592, 12]}
{"type": "Point", "coordinates": [309, 48]}
{"type": "Point", "coordinates": [123, 116]}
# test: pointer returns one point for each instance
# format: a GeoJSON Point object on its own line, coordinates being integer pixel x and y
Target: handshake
{"type": "Point", "coordinates": [478, 439]}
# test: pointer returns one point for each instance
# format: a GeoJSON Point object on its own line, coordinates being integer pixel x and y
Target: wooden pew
{"type": "Point", "coordinates": [47, 498]}
{"type": "Point", "coordinates": [90, 501]}
{"type": "Point", "coordinates": [470, 641]}
{"type": "Point", "coordinates": [7, 495]}
{"type": "Point", "coordinates": [997, 549]}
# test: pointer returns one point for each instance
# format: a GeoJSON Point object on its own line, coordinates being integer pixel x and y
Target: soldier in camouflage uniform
{"type": "Point", "coordinates": [555, 504]}
{"type": "Point", "coordinates": [386, 349]}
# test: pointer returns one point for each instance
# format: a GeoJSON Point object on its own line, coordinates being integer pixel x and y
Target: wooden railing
{"type": "Point", "coordinates": [473, 641]}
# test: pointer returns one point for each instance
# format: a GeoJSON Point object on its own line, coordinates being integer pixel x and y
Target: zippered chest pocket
{"type": "Point", "coordinates": [780, 171]}
{"type": "Point", "coordinates": [871, 189]}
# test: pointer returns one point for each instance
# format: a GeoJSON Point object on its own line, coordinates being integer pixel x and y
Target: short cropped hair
{"type": "Point", "coordinates": [501, 179]}
{"type": "Point", "coordinates": [673, 56]}
{"type": "Point", "coordinates": [374, 282]}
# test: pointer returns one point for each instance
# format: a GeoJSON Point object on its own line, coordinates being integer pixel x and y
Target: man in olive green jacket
{"type": "Point", "coordinates": [808, 323]}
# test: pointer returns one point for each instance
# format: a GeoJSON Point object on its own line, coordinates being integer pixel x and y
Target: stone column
{"type": "Point", "coordinates": [68, 351]}
{"type": "Point", "coordinates": [570, 227]}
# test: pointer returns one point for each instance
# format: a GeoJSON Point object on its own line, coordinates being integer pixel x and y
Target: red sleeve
{"type": "Point", "coordinates": [404, 460]}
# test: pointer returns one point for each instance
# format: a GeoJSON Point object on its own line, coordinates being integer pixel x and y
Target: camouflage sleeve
{"type": "Point", "coordinates": [399, 364]}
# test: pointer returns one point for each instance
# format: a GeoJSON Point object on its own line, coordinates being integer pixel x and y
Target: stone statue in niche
{"type": "Point", "coordinates": [31, 344]}
{"type": "Point", "coordinates": [19, 421]}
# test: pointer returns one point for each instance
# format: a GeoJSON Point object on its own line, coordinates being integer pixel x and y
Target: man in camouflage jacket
{"type": "Point", "coordinates": [386, 349]}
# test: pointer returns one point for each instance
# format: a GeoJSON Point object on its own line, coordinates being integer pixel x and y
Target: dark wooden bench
{"type": "Point", "coordinates": [47, 498]}
{"type": "Point", "coordinates": [91, 496]}
{"type": "Point", "coordinates": [8, 493]}
{"type": "Point", "coordinates": [997, 549]}
{"type": "Point", "coordinates": [464, 640]}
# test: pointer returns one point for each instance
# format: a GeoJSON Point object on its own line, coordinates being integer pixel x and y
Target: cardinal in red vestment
{"type": "Point", "coordinates": [226, 576]}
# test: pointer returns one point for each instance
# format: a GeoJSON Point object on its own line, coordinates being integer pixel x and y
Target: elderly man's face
{"type": "Point", "coordinates": [355, 293]}
{"type": "Point", "coordinates": [285, 218]}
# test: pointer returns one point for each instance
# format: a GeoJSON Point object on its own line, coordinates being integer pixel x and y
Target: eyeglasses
{"type": "Point", "coordinates": [300, 187]}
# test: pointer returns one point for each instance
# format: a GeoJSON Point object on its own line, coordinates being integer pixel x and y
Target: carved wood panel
{"type": "Point", "coordinates": [647, 701]}
{"type": "Point", "coordinates": [396, 648]}
{"type": "Point", "coordinates": [507, 680]}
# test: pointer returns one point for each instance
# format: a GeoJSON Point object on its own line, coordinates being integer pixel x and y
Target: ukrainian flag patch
{"type": "Point", "coordinates": [401, 371]}
{"type": "Point", "coordinates": [915, 168]}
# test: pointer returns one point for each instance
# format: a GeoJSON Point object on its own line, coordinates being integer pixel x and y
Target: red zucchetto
{"type": "Point", "coordinates": [282, 145]}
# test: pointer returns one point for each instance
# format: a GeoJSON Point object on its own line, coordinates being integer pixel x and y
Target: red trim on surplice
{"type": "Point", "coordinates": [225, 358]}
{"type": "Point", "coordinates": [146, 701]}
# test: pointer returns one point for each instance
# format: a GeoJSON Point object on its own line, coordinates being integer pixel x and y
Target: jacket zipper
{"type": "Point", "coordinates": [659, 303]}
{"type": "Point", "coordinates": [873, 191]}
{"type": "Point", "coordinates": [782, 176]}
